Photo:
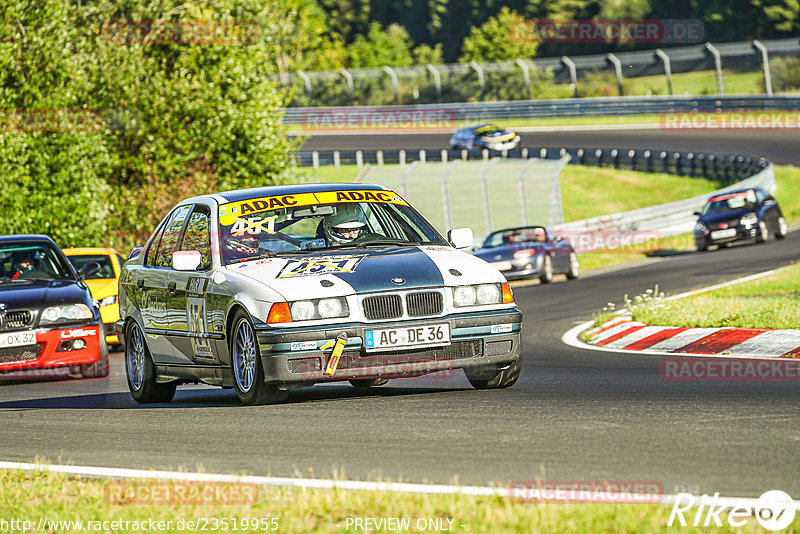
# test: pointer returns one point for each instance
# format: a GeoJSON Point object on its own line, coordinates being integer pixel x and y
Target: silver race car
{"type": "Point", "coordinates": [281, 287]}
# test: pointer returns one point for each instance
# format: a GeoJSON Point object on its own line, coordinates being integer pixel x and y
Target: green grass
{"type": "Point", "coordinates": [770, 302]}
{"type": "Point", "coordinates": [30, 496]}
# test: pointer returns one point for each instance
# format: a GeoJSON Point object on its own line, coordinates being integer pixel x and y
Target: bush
{"type": "Point", "coordinates": [785, 73]}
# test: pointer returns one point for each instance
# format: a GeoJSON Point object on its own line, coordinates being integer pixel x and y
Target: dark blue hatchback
{"type": "Point", "coordinates": [738, 215]}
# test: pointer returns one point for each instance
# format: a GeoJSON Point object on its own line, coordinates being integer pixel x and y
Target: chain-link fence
{"type": "Point", "coordinates": [730, 68]}
{"type": "Point", "coordinates": [484, 195]}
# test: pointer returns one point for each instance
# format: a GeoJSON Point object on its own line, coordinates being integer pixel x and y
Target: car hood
{"type": "Point", "coordinates": [725, 215]}
{"type": "Point", "coordinates": [339, 273]}
{"type": "Point", "coordinates": [498, 137]}
{"type": "Point", "coordinates": [102, 287]}
{"type": "Point", "coordinates": [31, 294]}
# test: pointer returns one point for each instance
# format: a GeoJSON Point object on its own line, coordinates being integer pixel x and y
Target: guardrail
{"type": "Point", "coordinates": [668, 219]}
{"type": "Point", "coordinates": [516, 77]}
{"type": "Point", "coordinates": [528, 109]}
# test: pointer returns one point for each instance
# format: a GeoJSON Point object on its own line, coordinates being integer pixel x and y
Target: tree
{"type": "Point", "coordinates": [390, 46]}
{"type": "Point", "coordinates": [499, 39]}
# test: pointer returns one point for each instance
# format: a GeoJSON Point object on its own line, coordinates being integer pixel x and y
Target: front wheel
{"type": "Point", "coordinates": [574, 270]}
{"type": "Point", "coordinates": [547, 270]}
{"type": "Point", "coordinates": [141, 371]}
{"type": "Point", "coordinates": [762, 233]}
{"type": "Point", "coordinates": [248, 371]}
{"type": "Point", "coordinates": [487, 378]}
{"type": "Point", "coordinates": [782, 229]}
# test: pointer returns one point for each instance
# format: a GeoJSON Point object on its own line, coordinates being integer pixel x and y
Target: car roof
{"type": "Point", "coordinates": [90, 250]}
{"type": "Point", "coordinates": [277, 190]}
{"type": "Point", "coordinates": [21, 238]}
{"type": "Point", "coordinates": [519, 228]}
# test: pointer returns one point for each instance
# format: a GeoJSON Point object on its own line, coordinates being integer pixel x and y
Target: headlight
{"type": "Point", "coordinates": [66, 313]}
{"type": "Point", "coordinates": [108, 301]}
{"type": "Point", "coordinates": [748, 220]}
{"type": "Point", "coordinates": [306, 310]}
{"type": "Point", "coordinates": [464, 296]}
{"type": "Point", "coordinates": [699, 228]}
{"type": "Point", "coordinates": [479, 295]}
{"type": "Point", "coordinates": [489, 294]}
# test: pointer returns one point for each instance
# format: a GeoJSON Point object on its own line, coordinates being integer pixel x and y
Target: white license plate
{"type": "Point", "coordinates": [17, 339]}
{"type": "Point", "coordinates": [502, 265]}
{"type": "Point", "coordinates": [722, 234]}
{"type": "Point", "coordinates": [412, 336]}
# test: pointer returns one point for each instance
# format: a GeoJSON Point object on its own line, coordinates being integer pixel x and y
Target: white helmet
{"type": "Point", "coordinates": [340, 227]}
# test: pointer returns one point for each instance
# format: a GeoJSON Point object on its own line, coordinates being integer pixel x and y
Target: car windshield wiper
{"type": "Point", "coordinates": [383, 242]}
{"type": "Point", "coordinates": [268, 254]}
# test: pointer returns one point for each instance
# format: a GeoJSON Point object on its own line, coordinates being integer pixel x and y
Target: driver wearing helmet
{"type": "Point", "coordinates": [346, 225]}
{"type": "Point", "coordinates": [24, 263]}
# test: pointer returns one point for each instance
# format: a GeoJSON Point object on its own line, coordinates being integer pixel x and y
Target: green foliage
{"type": "Point", "coordinates": [785, 73]}
{"type": "Point", "coordinates": [494, 40]}
{"type": "Point", "coordinates": [175, 110]}
{"type": "Point", "coordinates": [390, 46]}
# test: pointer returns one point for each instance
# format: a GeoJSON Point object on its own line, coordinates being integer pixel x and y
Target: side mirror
{"type": "Point", "coordinates": [136, 251]}
{"type": "Point", "coordinates": [187, 260]}
{"type": "Point", "coordinates": [460, 237]}
{"type": "Point", "coordinates": [89, 269]}
{"type": "Point", "coordinates": [697, 213]}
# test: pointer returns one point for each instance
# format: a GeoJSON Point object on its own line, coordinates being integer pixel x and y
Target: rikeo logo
{"type": "Point", "coordinates": [774, 510]}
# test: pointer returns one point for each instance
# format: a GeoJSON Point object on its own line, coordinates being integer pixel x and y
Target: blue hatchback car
{"type": "Point", "coordinates": [738, 215]}
{"type": "Point", "coordinates": [488, 136]}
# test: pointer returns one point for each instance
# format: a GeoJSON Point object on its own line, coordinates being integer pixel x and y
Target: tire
{"type": "Point", "coordinates": [574, 270]}
{"type": "Point", "coordinates": [101, 367]}
{"type": "Point", "coordinates": [483, 378]}
{"type": "Point", "coordinates": [763, 233]}
{"type": "Point", "coordinates": [248, 371]}
{"type": "Point", "coordinates": [547, 270]}
{"type": "Point", "coordinates": [141, 371]}
{"type": "Point", "coordinates": [782, 229]}
{"type": "Point", "coordinates": [701, 247]}
{"type": "Point", "coordinates": [369, 383]}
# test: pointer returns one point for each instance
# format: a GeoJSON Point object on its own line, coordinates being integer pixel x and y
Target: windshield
{"type": "Point", "coordinates": [106, 267]}
{"type": "Point", "coordinates": [31, 261]}
{"type": "Point", "coordinates": [489, 130]}
{"type": "Point", "coordinates": [265, 226]}
{"type": "Point", "coordinates": [732, 201]}
{"type": "Point", "coordinates": [520, 236]}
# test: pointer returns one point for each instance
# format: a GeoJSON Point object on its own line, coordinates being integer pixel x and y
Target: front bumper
{"type": "Point", "coordinates": [742, 233]}
{"type": "Point", "coordinates": [46, 354]}
{"type": "Point", "coordinates": [109, 315]}
{"type": "Point", "coordinates": [519, 268]}
{"type": "Point", "coordinates": [478, 339]}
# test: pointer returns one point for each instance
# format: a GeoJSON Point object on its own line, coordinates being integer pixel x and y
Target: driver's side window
{"type": "Point", "coordinates": [197, 235]}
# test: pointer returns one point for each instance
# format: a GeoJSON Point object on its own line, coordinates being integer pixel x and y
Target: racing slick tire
{"type": "Point", "coordinates": [141, 372]}
{"type": "Point", "coordinates": [547, 270]}
{"type": "Point", "coordinates": [574, 270]}
{"type": "Point", "coordinates": [782, 229]}
{"type": "Point", "coordinates": [484, 378]}
{"type": "Point", "coordinates": [369, 382]}
{"type": "Point", "coordinates": [99, 368]}
{"type": "Point", "coordinates": [248, 371]}
{"type": "Point", "coordinates": [762, 234]}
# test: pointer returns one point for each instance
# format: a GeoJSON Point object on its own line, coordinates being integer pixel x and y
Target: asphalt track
{"type": "Point", "coordinates": [574, 414]}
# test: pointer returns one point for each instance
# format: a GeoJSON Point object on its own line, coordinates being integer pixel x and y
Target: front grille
{"type": "Point", "coordinates": [424, 303]}
{"type": "Point", "coordinates": [383, 307]}
{"type": "Point", "coordinates": [21, 354]}
{"type": "Point", "coordinates": [17, 319]}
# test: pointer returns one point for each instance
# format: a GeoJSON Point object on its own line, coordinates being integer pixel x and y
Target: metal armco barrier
{"type": "Point", "coordinates": [668, 219]}
{"type": "Point", "coordinates": [567, 107]}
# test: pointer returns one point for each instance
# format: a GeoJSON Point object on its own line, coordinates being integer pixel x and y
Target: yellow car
{"type": "Point", "coordinates": [103, 284]}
